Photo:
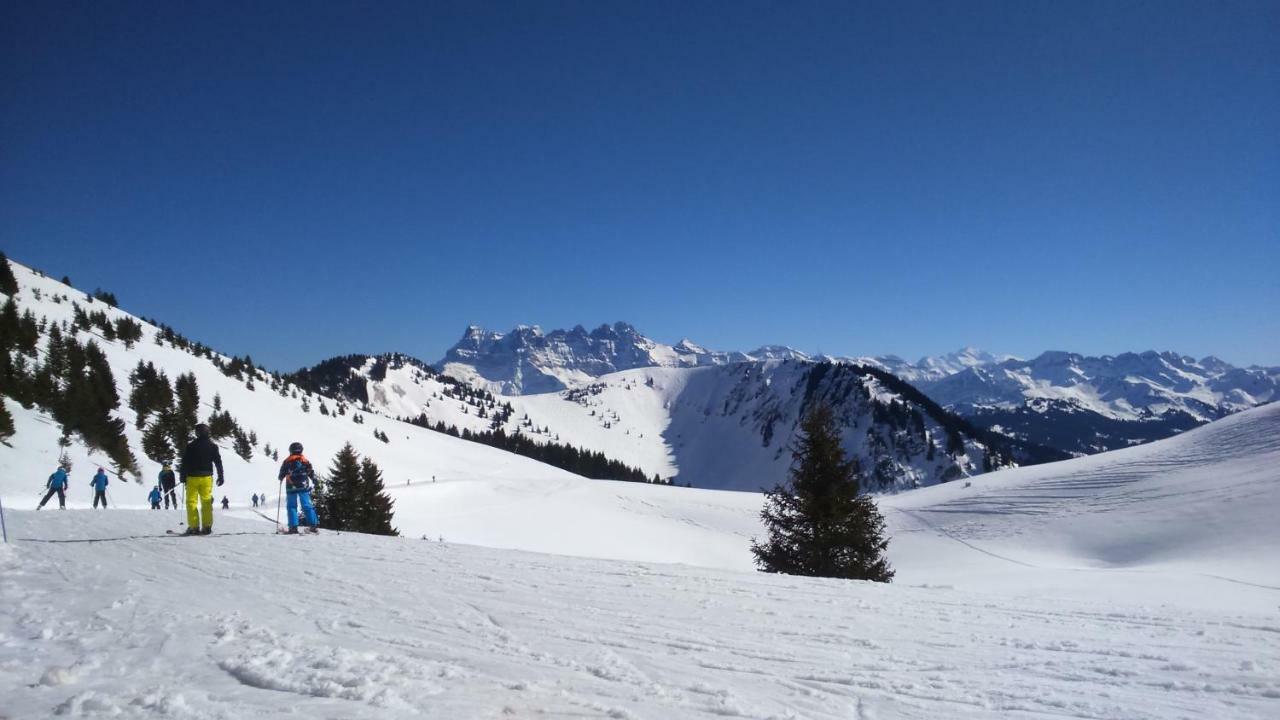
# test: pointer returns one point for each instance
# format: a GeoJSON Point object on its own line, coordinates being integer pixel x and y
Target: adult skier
{"type": "Point", "coordinates": [298, 476]}
{"type": "Point", "coordinates": [255, 499]}
{"type": "Point", "coordinates": [168, 485]}
{"type": "Point", "coordinates": [196, 472]}
{"type": "Point", "coordinates": [57, 484]}
{"type": "Point", "coordinates": [99, 484]}
{"type": "Point", "coordinates": [225, 504]}
{"type": "Point", "coordinates": [154, 497]}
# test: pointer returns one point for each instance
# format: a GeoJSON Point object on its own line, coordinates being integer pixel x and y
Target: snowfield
{"type": "Point", "coordinates": [1135, 584]}
{"type": "Point", "coordinates": [260, 625]}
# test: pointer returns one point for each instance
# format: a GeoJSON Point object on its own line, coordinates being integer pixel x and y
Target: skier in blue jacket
{"type": "Point", "coordinates": [99, 483]}
{"type": "Point", "coordinates": [57, 484]}
{"type": "Point", "coordinates": [298, 476]}
{"type": "Point", "coordinates": [155, 497]}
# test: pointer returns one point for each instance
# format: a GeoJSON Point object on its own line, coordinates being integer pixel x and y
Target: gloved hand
{"type": "Point", "coordinates": [220, 481]}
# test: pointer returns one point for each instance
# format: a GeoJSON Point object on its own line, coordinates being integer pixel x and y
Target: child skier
{"type": "Point", "coordinates": [154, 497]}
{"type": "Point", "coordinates": [226, 505]}
{"type": "Point", "coordinates": [298, 475]}
{"type": "Point", "coordinates": [57, 484]}
{"type": "Point", "coordinates": [99, 484]}
{"type": "Point", "coordinates": [196, 472]}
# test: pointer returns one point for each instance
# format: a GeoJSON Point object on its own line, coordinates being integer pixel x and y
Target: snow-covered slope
{"type": "Point", "coordinates": [276, 417]}
{"type": "Point", "coordinates": [1201, 503]}
{"type": "Point", "coordinates": [1137, 584]}
{"type": "Point", "coordinates": [1174, 511]}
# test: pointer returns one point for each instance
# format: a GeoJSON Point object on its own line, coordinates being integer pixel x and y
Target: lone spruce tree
{"type": "Point", "coordinates": [352, 497]}
{"type": "Point", "coordinates": [819, 522]}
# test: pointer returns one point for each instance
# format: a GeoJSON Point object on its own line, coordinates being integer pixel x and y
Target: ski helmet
{"type": "Point", "coordinates": [202, 430]}
{"type": "Point", "coordinates": [295, 448]}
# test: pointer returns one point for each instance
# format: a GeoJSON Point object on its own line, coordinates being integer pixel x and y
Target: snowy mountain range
{"type": "Point", "coordinates": [528, 361]}
{"type": "Point", "coordinates": [1085, 404]}
{"type": "Point", "coordinates": [1065, 401]}
{"type": "Point", "coordinates": [714, 425]}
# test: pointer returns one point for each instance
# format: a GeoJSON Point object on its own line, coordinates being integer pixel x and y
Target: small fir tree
{"type": "Point", "coordinates": [335, 492]}
{"type": "Point", "coordinates": [6, 421]}
{"type": "Point", "coordinates": [373, 508]}
{"type": "Point", "coordinates": [819, 523]}
{"type": "Point", "coordinates": [156, 444]}
{"type": "Point", "coordinates": [8, 283]}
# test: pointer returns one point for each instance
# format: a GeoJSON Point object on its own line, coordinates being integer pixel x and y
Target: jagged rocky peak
{"type": "Point", "coordinates": [528, 360]}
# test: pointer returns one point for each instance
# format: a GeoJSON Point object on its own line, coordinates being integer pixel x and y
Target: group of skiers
{"type": "Point", "coordinates": [196, 472]}
{"type": "Point", "coordinates": [59, 481]}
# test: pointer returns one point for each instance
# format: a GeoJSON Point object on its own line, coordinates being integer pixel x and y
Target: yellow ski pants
{"type": "Point", "coordinates": [199, 501]}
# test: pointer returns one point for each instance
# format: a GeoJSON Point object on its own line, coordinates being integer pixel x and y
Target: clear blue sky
{"type": "Point", "coordinates": [297, 180]}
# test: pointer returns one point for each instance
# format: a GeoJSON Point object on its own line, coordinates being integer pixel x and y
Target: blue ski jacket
{"type": "Point", "coordinates": [99, 482]}
{"type": "Point", "coordinates": [155, 496]}
{"type": "Point", "coordinates": [58, 480]}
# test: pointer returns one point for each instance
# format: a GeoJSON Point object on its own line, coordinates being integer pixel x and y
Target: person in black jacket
{"type": "Point", "coordinates": [196, 472]}
{"type": "Point", "coordinates": [168, 483]}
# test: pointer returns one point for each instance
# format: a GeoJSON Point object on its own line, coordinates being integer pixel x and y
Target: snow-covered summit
{"type": "Point", "coordinates": [528, 361]}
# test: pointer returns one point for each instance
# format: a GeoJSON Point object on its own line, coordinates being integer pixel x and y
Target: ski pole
{"type": "Point", "coordinates": [279, 498]}
{"type": "Point", "coordinates": [3, 528]}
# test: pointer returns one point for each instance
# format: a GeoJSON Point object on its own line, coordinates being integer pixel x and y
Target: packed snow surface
{"type": "Point", "coordinates": [1134, 584]}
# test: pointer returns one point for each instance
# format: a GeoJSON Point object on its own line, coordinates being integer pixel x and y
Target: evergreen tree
{"type": "Point", "coordinates": [240, 443]}
{"type": "Point", "coordinates": [6, 420]}
{"type": "Point", "coordinates": [335, 493]}
{"type": "Point", "coordinates": [183, 420]}
{"type": "Point", "coordinates": [819, 522]}
{"type": "Point", "coordinates": [8, 283]}
{"type": "Point", "coordinates": [222, 425]}
{"type": "Point", "coordinates": [373, 513]}
{"type": "Point", "coordinates": [352, 497]}
{"type": "Point", "coordinates": [156, 443]}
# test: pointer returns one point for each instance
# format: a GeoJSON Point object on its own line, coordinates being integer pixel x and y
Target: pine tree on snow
{"type": "Point", "coordinates": [374, 507]}
{"type": "Point", "coordinates": [6, 422]}
{"type": "Point", "coordinates": [8, 283]}
{"type": "Point", "coordinates": [819, 523]}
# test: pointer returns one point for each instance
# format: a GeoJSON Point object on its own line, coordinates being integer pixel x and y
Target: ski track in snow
{"type": "Point", "coordinates": [349, 626]}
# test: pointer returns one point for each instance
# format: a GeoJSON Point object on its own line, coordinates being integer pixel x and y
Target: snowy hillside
{"type": "Point", "coordinates": [1138, 584]}
{"type": "Point", "coordinates": [275, 417]}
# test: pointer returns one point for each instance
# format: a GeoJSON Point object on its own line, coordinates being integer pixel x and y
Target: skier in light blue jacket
{"type": "Point", "coordinates": [57, 484]}
{"type": "Point", "coordinates": [99, 484]}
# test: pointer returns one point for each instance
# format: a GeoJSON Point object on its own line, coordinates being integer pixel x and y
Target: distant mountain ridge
{"type": "Point", "coordinates": [1067, 401]}
{"type": "Point", "coordinates": [527, 361]}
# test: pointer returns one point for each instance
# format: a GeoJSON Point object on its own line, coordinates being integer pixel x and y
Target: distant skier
{"type": "Point", "coordinates": [99, 484]}
{"type": "Point", "coordinates": [255, 499]}
{"type": "Point", "coordinates": [154, 497]}
{"type": "Point", "coordinates": [57, 484]}
{"type": "Point", "coordinates": [298, 475]}
{"type": "Point", "coordinates": [225, 504]}
{"type": "Point", "coordinates": [168, 486]}
{"type": "Point", "coordinates": [196, 472]}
